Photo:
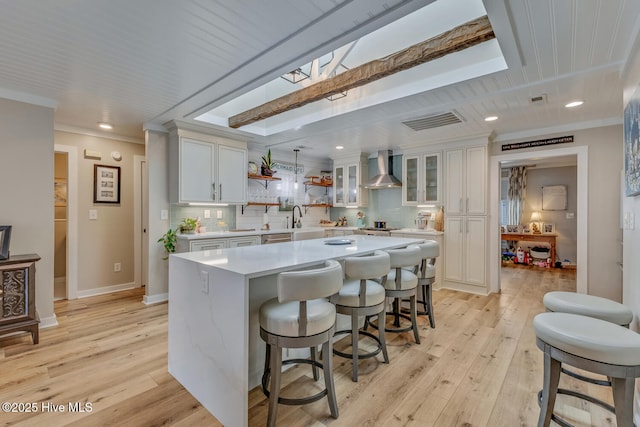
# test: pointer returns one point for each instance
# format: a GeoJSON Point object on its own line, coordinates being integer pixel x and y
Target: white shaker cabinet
{"type": "Point", "coordinates": [421, 179]}
{"type": "Point", "coordinates": [466, 181]}
{"type": "Point", "coordinates": [348, 175]}
{"type": "Point", "coordinates": [465, 250]}
{"type": "Point", "coordinates": [206, 168]}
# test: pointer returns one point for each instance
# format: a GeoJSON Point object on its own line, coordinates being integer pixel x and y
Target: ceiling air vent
{"type": "Point", "coordinates": [434, 121]}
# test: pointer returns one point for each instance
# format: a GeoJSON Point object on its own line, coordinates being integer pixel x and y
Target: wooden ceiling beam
{"type": "Point", "coordinates": [466, 35]}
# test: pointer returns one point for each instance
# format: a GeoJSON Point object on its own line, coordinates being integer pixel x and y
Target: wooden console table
{"type": "Point", "coordinates": [18, 295]}
{"type": "Point", "coordinates": [530, 237]}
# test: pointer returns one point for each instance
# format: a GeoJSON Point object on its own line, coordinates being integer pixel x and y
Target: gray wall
{"type": "Point", "coordinates": [26, 193]}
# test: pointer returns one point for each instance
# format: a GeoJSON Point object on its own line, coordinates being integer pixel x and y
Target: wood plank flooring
{"type": "Point", "coordinates": [478, 367]}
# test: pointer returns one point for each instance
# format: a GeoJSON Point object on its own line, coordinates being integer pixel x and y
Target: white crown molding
{"type": "Point", "coordinates": [28, 98]}
{"type": "Point", "coordinates": [97, 134]}
{"type": "Point", "coordinates": [612, 121]}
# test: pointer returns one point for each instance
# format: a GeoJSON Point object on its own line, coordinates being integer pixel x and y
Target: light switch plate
{"type": "Point", "coordinates": [219, 214]}
{"type": "Point", "coordinates": [93, 214]}
{"type": "Point", "coordinates": [164, 214]}
{"type": "Point", "coordinates": [207, 213]}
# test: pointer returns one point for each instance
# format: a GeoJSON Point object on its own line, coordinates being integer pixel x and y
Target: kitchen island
{"type": "Point", "coordinates": [215, 350]}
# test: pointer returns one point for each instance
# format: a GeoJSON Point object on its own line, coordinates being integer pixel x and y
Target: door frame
{"type": "Point", "coordinates": [72, 218]}
{"type": "Point", "coordinates": [137, 223]}
{"type": "Point", "coordinates": [582, 198]}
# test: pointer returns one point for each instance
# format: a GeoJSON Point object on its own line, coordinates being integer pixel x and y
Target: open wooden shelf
{"type": "Point", "coordinates": [264, 177]}
{"type": "Point", "coordinates": [266, 205]}
{"type": "Point", "coordinates": [318, 184]}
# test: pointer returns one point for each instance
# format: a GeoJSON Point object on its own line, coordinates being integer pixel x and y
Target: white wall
{"type": "Point", "coordinates": [26, 193]}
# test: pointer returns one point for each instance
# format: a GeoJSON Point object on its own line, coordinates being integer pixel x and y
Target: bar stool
{"type": "Point", "coordinates": [590, 306]}
{"type": "Point", "coordinates": [300, 317]}
{"type": "Point", "coordinates": [591, 344]}
{"type": "Point", "coordinates": [401, 283]}
{"type": "Point", "coordinates": [360, 296]}
{"type": "Point", "coordinates": [426, 272]}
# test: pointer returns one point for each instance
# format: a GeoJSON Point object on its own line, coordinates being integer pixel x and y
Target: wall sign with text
{"type": "Point", "coordinates": [537, 143]}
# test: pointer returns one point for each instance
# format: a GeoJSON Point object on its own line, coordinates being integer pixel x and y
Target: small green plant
{"type": "Point", "coordinates": [168, 240]}
{"type": "Point", "coordinates": [267, 165]}
{"type": "Point", "coordinates": [188, 225]}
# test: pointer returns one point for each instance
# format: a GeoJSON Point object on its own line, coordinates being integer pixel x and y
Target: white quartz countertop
{"type": "Point", "coordinates": [261, 260]}
{"type": "Point", "coordinates": [255, 232]}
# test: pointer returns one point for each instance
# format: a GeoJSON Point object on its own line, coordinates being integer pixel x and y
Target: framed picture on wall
{"type": "Point", "coordinates": [106, 184]}
{"type": "Point", "coordinates": [5, 239]}
{"type": "Point", "coordinates": [632, 145]}
{"type": "Point", "coordinates": [548, 228]}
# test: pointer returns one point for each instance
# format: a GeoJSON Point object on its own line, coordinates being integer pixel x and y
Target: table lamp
{"type": "Point", "coordinates": [536, 219]}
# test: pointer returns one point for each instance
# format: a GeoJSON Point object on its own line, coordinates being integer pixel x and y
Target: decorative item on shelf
{"type": "Point", "coordinates": [326, 179]}
{"type": "Point", "coordinates": [360, 221]}
{"type": "Point", "coordinates": [253, 168]}
{"type": "Point", "coordinates": [267, 165]}
{"type": "Point", "coordinates": [548, 228]}
{"type": "Point", "coordinates": [168, 240]}
{"type": "Point", "coordinates": [438, 224]}
{"type": "Point", "coordinates": [188, 225]}
{"type": "Point", "coordinates": [535, 221]}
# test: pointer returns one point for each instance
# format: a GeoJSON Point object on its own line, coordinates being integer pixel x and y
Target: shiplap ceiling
{"type": "Point", "coordinates": [150, 61]}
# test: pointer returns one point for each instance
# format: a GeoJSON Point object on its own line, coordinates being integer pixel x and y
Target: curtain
{"type": "Point", "coordinates": [516, 196]}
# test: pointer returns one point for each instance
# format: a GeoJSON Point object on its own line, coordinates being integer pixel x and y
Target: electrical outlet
{"type": "Point", "coordinates": [207, 213]}
{"type": "Point", "coordinates": [117, 267]}
{"type": "Point", "coordinates": [219, 214]}
{"type": "Point", "coordinates": [93, 214]}
{"type": "Point", "coordinates": [204, 282]}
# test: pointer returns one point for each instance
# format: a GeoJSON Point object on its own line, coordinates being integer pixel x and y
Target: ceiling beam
{"type": "Point", "coordinates": [466, 35]}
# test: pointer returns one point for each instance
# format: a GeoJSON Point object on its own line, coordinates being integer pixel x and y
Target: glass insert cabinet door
{"type": "Point", "coordinates": [411, 180]}
{"type": "Point", "coordinates": [431, 178]}
{"type": "Point", "coordinates": [338, 183]}
{"type": "Point", "coordinates": [421, 179]}
{"type": "Point", "coordinates": [353, 184]}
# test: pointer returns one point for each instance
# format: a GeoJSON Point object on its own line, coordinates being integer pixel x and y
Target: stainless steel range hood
{"type": "Point", "coordinates": [385, 178]}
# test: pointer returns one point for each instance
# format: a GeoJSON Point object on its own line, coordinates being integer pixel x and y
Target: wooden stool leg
{"type": "Point", "coordinates": [382, 337]}
{"type": "Point", "coordinates": [432, 320]}
{"type": "Point", "coordinates": [327, 368]}
{"type": "Point", "coordinates": [274, 391]}
{"type": "Point", "coordinates": [314, 356]}
{"type": "Point", "coordinates": [623, 400]}
{"type": "Point", "coordinates": [354, 347]}
{"type": "Point", "coordinates": [414, 318]}
{"type": "Point", "coordinates": [549, 388]}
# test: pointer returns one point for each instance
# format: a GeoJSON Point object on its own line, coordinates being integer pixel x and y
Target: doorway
{"type": "Point", "coordinates": [65, 222]}
{"type": "Point", "coordinates": [141, 241]}
{"type": "Point", "coordinates": [581, 217]}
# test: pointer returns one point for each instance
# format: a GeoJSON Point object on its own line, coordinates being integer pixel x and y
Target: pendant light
{"type": "Point", "coordinates": [295, 184]}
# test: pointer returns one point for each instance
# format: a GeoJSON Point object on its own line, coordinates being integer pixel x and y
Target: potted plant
{"type": "Point", "coordinates": [168, 240]}
{"type": "Point", "coordinates": [188, 225]}
{"type": "Point", "coordinates": [266, 168]}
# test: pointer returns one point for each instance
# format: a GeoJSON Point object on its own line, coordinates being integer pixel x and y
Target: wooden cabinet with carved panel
{"type": "Point", "coordinates": [18, 295]}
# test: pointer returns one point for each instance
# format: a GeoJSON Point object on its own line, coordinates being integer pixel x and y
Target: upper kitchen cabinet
{"type": "Point", "coordinates": [349, 173]}
{"type": "Point", "coordinates": [422, 179]}
{"type": "Point", "coordinates": [205, 168]}
{"type": "Point", "coordinates": [466, 181]}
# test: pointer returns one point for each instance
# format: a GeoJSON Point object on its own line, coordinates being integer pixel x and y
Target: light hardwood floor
{"type": "Point", "coordinates": [478, 367]}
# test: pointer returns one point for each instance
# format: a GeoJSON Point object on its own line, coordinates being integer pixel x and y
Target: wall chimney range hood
{"type": "Point", "coordinates": [385, 178]}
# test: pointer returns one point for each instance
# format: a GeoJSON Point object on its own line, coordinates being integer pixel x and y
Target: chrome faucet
{"type": "Point", "coordinates": [293, 215]}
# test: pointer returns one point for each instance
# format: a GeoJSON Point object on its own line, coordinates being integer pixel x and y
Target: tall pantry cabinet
{"type": "Point", "coordinates": [465, 208]}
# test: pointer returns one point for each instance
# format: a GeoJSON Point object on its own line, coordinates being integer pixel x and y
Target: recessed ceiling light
{"type": "Point", "coordinates": [339, 147]}
{"type": "Point", "coordinates": [574, 104]}
{"type": "Point", "coordinates": [490, 118]}
{"type": "Point", "coordinates": [105, 126]}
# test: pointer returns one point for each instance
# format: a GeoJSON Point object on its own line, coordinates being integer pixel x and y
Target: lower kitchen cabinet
{"type": "Point", "coordinates": [337, 233]}
{"type": "Point", "coordinates": [465, 251]}
{"type": "Point", "coordinates": [204, 244]}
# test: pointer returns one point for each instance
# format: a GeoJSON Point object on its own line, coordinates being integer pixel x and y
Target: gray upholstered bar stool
{"type": "Point", "coordinates": [590, 306]}
{"type": "Point", "coordinates": [361, 296]}
{"type": "Point", "coordinates": [426, 272]}
{"type": "Point", "coordinates": [300, 317]}
{"type": "Point", "coordinates": [591, 344]}
{"type": "Point", "coordinates": [402, 283]}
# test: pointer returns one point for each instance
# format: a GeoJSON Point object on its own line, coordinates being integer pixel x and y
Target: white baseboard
{"type": "Point", "coordinates": [106, 290]}
{"type": "Point", "coordinates": [48, 322]}
{"type": "Point", "coordinates": [155, 299]}
{"type": "Point", "coordinates": [463, 287]}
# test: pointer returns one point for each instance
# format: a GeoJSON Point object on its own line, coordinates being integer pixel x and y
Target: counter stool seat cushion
{"type": "Point", "coordinates": [588, 305]}
{"type": "Point", "coordinates": [349, 294]}
{"type": "Point", "coordinates": [408, 280]}
{"type": "Point", "coordinates": [283, 318]}
{"type": "Point", "coordinates": [589, 338]}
